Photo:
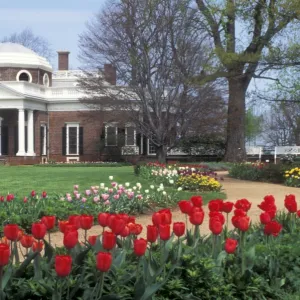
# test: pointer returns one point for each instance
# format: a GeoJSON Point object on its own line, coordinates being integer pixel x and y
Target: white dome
{"type": "Point", "coordinates": [18, 56]}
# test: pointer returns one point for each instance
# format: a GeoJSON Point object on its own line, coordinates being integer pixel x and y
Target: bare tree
{"type": "Point", "coordinates": [34, 42]}
{"type": "Point", "coordinates": [156, 47]}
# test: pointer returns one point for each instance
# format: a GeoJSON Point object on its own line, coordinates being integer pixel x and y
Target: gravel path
{"type": "Point", "coordinates": [235, 189]}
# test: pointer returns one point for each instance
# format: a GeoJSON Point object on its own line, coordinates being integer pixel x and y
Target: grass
{"type": "Point", "coordinates": [21, 180]}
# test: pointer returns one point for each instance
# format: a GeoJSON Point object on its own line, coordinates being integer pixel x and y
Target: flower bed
{"type": "Point", "coordinates": [292, 177]}
{"type": "Point", "coordinates": [192, 177]}
{"type": "Point", "coordinates": [249, 262]}
{"type": "Point", "coordinates": [84, 164]}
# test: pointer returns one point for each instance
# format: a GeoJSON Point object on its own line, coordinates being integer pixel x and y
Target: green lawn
{"type": "Point", "coordinates": [21, 180]}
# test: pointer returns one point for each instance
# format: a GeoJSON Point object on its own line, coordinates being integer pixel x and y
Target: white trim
{"type": "Point", "coordinates": [44, 150]}
{"type": "Point", "coordinates": [21, 132]}
{"type": "Point", "coordinates": [115, 125]}
{"type": "Point", "coordinates": [148, 148]}
{"type": "Point", "coordinates": [68, 126]}
{"type": "Point", "coordinates": [26, 72]}
{"type": "Point", "coordinates": [46, 77]}
{"type": "Point", "coordinates": [72, 158]}
{"type": "Point", "coordinates": [30, 133]}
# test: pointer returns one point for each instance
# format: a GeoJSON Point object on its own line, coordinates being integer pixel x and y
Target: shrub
{"type": "Point", "coordinates": [198, 182]}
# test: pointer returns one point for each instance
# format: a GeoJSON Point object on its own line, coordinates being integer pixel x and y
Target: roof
{"type": "Point", "coordinates": [16, 55]}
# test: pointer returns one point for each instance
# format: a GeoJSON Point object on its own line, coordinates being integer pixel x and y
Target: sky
{"type": "Point", "coordinates": [59, 21]}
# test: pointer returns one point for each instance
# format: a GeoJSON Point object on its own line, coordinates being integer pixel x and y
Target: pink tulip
{"type": "Point", "coordinates": [105, 196]}
{"type": "Point", "coordinates": [116, 197]}
{"type": "Point", "coordinates": [130, 195]}
{"type": "Point", "coordinates": [68, 195]}
{"type": "Point", "coordinates": [87, 192]}
{"type": "Point", "coordinates": [77, 196]}
{"type": "Point", "coordinates": [95, 192]}
{"type": "Point", "coordinates": [25, 199]}
{"type": "Point", "coordinates": [139, 196]}
{"type": "Point", "coordinates": [83, 200]}
{"type": "Point", "coordinates": [110, 191]}
{"type": "Point", "coordinates": [75, 187]}
{"type": "Point", "coordinates": [113, 184]}
{"type": "Point", "coordinates": [69, 198]}
{"type": "Point", "coordinates": [75, 192]}
{"type": "Point", "coordinates": [96, 199]}
{"type": "Point", "coordinates": [107, 202]}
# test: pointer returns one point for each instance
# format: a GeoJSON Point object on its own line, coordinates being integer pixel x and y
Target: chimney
{"type": "Point", "coordinates": [110, 74]}
{"type": "Point", "coordinates": [63, 60]}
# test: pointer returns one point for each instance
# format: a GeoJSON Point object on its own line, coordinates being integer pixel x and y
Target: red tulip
{"type": "Point", "coordinates": [26, 241]}
{"type": "Point", "coordinates": [179, 228]}
{"type": "Point", "coordinates": [74, 220]}
{"type": "Point", "coordinates": [298, 213]}
{"type": "Point", "coordinates": [70, 239]}
{"type": "Point", "coordinates": [197, 218]}
{"type": "Point", "coordinates": [215, 205]}
{"type": "Point", "coordinates": [265, 218]}
{"type": "Point", "coordinates": [197, 201]}
{"type": "Point", "coordinates": [164, 232]}
{"type": "Point", "coordinates": [135, 229]}
{"type": "Point", "coordinates": [108, 240]}
{"type": "Point", "coordinates": [86, 222]}
{"type": "Point", "coordinates": [268, 204]}
{"type": "Point", "coordinates": [227, 207]}
{"type": "Point", "coordinates": [2, 198]}
{"type": "Point", "coordinates": [11, 231]}
{"type": "Point", "coordinates": [215, 226]}
{"type": "Point", "coordinates": [272, 228]}
{"type": "Point", "coordinates": [33, 193]}
{"type": "Point", "coordinates": [185, 206]}
{"type": "Point", "coordinates": [166, 216]}
{"type": "Point", "coordinates": [4, 254]}
{"type": "Point", "coordinates": [117, 225]}
{"type": "Point", "coordinates": [230, 245]}
{"type": "Point", "coordinates": [38, 230]}
{"type": "Point", "coordinates": [63, 265]}
{"type": "Point", "coordinates": [49, 221]}
{"type": "Point", "coordinates": [92, 239]}
{"type": "Point", "coordinates": [10, 197]}
{"type": "Point", "coordinates": [103, 219]}
{"type": "Point", "coordinates": [152, 233]}
{"type": "Point", "coordinates": [157, 219]}
{"type": "Point", "coordinates": [62, 225]}
{"type": "Point", "coordinates": [290, 203]}
{"type": "Point", "coordinates": [243, 204]}
{"type": "Point", "coordinates": [103, 261]}
{"type": "Point", "coordinates": [37, 246]}
{"type": "Point", "coordinates": [25, 199]}
{"type": "Point", "coordinates": [44, 194]}
{"type": "Point", "coordinates": [243, 223]}
{"type": "Point", "coordinates": [217, 215]}
{"type": "Point", "coordinates": [125, 232]}
{"type": "Point", "coordinates": [139, 246]}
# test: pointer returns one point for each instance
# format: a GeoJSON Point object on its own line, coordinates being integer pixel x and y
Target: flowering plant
{"type": "Point", "coordinates": [292, 177]}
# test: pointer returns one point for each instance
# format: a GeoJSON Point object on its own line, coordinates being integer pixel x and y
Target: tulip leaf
{"type": "Point", "coordinates": [81, 256]}
{"type": "Point", "coordinates": [221, 257]}
{"type": "Point", "coordinates": [139, 288]}
{"type": "Point", "coordinates": [250, 258]}
{"type": "Point", "coordinates": [6, 276]}
{"type": "Point", "coordinates": [189, 238]}
{"type": "Point", "coordinates": [19, 272]}
{"type": "Point", "coordinates": [49, 251]}
{"type": "Point", "coordinates": [119, 260]}
{"type": "Point", "coordinates": [110, 297]}
{"type": "Point", "coordinates": [37, 267]}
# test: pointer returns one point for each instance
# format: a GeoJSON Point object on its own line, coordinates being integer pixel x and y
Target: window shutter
{"type": "Point", "coordinates": [41, 139]}
{"type": "Point", "coordinates": [80, 140]}
{"type": "Point", "coordinates": [145, 145]}
{"type": "Point", "coordinates": [64, 136]}
{"type": "Point", "coordinates": [16, 139]}
{"type": "Point", "coordinates": [138, 142]}
{"type": "Point", "coordinates": [4, 140]}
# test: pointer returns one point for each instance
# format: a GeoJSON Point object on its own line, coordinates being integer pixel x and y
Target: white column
{"type": "Point", "coordinates": [21, 132]}
{"type": "Point", "coordinates": [30, 134]}
{"type": "Point", "coordinates": [0, 135]}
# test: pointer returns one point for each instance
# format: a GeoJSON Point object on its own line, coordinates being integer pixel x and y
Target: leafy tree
{"type": "Point", "coordinates": [254, 125]}
{"type": "Point", "coordinates": [250, 38]}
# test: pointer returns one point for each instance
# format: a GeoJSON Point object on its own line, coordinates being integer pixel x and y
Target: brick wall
{"type": "Point", "coordinates": [10, 74]}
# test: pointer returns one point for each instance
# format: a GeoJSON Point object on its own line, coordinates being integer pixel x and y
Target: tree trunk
{"type": "Point", "coordinates": [161, 154]}
{"type": "Point", "coordinates": [235, 144]}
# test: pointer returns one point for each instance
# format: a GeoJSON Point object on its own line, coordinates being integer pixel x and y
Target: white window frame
{"type": "Point", "coordinates": [128, 125]}
{"type": "Point", "coordinates": [148, 148]}
{"type": "Point", "coordinates": [115, 125]}
{"type": "Point", "coordinates": [68, 126]}
{"type": "Point", "coordinates": [44, 150]}
{"type": "Point", "coordinates": [24, 71]}
{"type": "Point", "coordinates": [46, 80]}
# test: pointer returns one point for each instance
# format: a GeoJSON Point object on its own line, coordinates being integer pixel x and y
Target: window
{"type": "Point", "coordinates": [151, 148]}
{"type": "Point", "coordinates": [72, 139]}
{"type": "Point", "coordinates": [111, 134]}
{"type": "Point", "coordinates": [46, 80]}
{"type": "Point", "coordinates": [24, 75]}
{"type": "Point", "coordinates": [130, 136]}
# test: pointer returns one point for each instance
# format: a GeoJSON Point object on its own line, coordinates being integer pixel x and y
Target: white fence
{"type": "Point", "coordinates": [286, 150]}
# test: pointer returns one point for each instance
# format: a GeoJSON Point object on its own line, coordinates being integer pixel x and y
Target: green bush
{"type": "Point", "coordinates": [260, 172]}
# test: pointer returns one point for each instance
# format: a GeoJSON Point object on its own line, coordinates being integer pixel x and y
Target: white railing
{"type": "Point", "coordinates": [286, 150]}
{"type": "Point", "coordinates": [254, 151]}
{"type": "Point", "coordinates": [130, 150]}
{"type": "Point", "coordinates": [71, 74]}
